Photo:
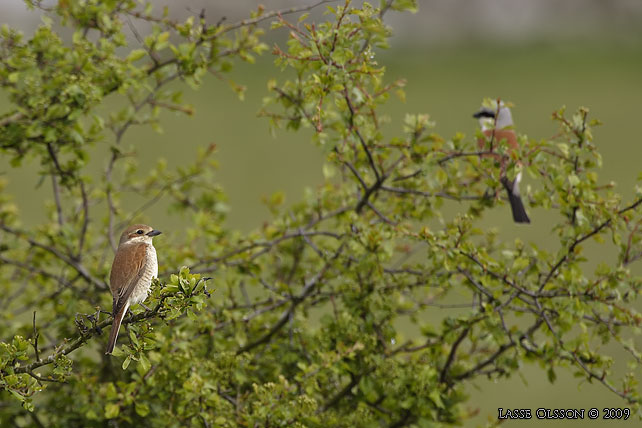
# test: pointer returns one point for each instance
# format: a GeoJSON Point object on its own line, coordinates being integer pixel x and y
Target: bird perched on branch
{"type": "Point", "coordinates": [134, 266]}
{"type": "Point", "coordinates": [496, 124]}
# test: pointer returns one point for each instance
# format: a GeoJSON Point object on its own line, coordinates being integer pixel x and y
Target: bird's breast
{"type": "Point", "coordinates": [150, 270]}
{"type": "Point", "coordinates": [507, 135]}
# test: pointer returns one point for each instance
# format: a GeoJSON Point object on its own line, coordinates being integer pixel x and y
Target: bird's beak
{"type": "Point", "coordinates": [154, 233]}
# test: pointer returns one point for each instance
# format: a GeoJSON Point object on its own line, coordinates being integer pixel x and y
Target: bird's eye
{"type": "Point", "coordinates": [140, 232]}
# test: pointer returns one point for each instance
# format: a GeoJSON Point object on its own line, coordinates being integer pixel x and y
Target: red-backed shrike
{"type": "Point", "coordinates": [497, 124]}
{"type": "Point", "coordinates": [134, 266]}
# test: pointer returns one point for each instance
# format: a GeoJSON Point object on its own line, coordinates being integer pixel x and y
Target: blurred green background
{"type": "Point", "coordinates": [448, 73]}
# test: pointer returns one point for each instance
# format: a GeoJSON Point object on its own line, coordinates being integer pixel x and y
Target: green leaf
{"type": "Point", "coordinates": [435, 396]}
{"type": "Point", "coordinates": [133, 337]}
{"type": "Point", "coordinates": [520, 263]}
{"type": "Point", "coordinates": [142, 409]}
{"type": "Point", "coordinates": [28, 405]}
{"type": "Point", "coordinates": [551, 375]}
{"type": "Point", "coordinates": [135, 55]}
{"type": "Point", "coordinates": [126, 362]}
{"type": "Point", "coordinates": [144, 363]}
{"type": "Point", "coordinates": [112, 410]}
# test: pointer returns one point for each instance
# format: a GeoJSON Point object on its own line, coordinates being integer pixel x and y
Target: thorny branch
{"type": "Point", "coordinates": [571, 249]}
{"type": "Point", "coordinates": [296, 301]}
{"type": "Point", "coordinates": [85, 334]}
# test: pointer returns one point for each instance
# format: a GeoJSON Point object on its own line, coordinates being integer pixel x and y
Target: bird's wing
{"type": "Point", "coordinates": [125, 279]}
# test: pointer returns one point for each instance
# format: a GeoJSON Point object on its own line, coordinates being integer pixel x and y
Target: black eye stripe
{"type": "Point", "coordinates": [484, 113]}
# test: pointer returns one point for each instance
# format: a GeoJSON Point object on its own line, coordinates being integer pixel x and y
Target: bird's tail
{"type": "Point", "coordinates": [515, 200]}
{"type": "Point", "coordinates": [115, 327]}
{"type": "Point", "coordinates": [517, 206]}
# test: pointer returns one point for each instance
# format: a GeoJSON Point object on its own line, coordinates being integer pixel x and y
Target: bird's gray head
{"type": "Point", "coordinates": [486, 116]}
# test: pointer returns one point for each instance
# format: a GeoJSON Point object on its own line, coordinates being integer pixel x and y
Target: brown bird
{"type": "Point", "coordinates": [496, 125]}
{"type": "Point", "coordinates": [134, 266]}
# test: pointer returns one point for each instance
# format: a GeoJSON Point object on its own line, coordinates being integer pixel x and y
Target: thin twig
{"type": "Point", "coordinates": [56, 193]}
{"type": "Point", "coordinates": [451, 355]}
{"type": "Point", "coordinates": [96, 330]}
{"type": "Point", "coordinates": [296, 301]}
{"type": "Point", "coordinates": [35, 270]}
{"type": "Point", "coordinates": [444, 195]}
{"type": "Point", "coordinates": [578, 241]}
{"type": "Point", "coordinates": [54, 251]}
{"type": "Point", "coordinates": [85, 220]}
{"type": "Point", "coordinates": [247, 22]}
{"type": "Point", "coordinates": [35, 338]}
{"type": "Point", "coordinates": [380, 214]}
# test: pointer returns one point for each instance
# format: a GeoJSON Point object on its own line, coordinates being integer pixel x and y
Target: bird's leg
{"type": "Point", "coordinates": [145, 306]}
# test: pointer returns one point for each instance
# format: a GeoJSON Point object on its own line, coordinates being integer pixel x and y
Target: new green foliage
{"type": "Point", "coordinates": [296, 323]}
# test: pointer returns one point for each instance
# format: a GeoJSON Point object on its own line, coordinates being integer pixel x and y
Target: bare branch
{"type": "Point", "coordinates": [296, 301]}
{"type": "Point", "coordinates": [85, 220]}
{"type": "Point", "coordinates": [54, 251]}
{"type": "Point", "coordinates": [356, 131]}
{"type": "Point", "coordinates": [380, 214]}
{"type": "Point", "coordinates": [266, 245]}
{"type": "Point", "coordinates": [111, 211]}
{"type": "Point", "coordinates": [451, 355]}
{"type": "Point", "coordinates": [33, 269]}
{"type": "Point", "coordinates": [35, 338]}
{"type": "Point", "coordinates": [444, 195]}
{"type": "Point", "coordinates": [356, 174]}
{"type": "Point", "coordinates": [96, 330]}
{"type": "Point", "coordinates": [56, 193]}
{"type": "Point", "coordinates": [465, 154]}
{"type": "Point", "coordinates": [247, 22]}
